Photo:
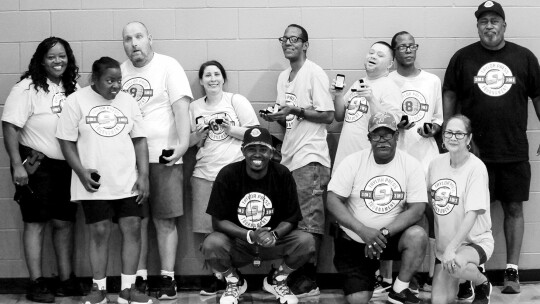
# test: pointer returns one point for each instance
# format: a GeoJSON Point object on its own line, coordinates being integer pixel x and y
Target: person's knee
{"type": "Point", "coordinates": [100, 230]}
{"type": "Point", "coordinates": [415, 237]}
{"type": "Point", "coordinates": [513, 209]}
{"type": "Point", "coordinates": [306, 242]}
{"type": "Point", "coordinates": [213, 244]}
{"type": "Point", "coordinates": [165, 225]}
{"type": "Point", "coordinates": [62, 226]}
{"type": "Point", "coordinates": [36, 228]}
{"type": "Point", "coordinates": [361, 297]}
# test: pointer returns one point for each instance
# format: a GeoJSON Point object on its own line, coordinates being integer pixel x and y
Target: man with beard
{"type": "Point", "coordinates": [377, 195]}
{"type": "Point", "coordinates": [490, 82]}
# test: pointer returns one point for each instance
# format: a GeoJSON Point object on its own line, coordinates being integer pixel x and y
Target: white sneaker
{"type": "Point", "coordinates": [280, 289]}
{"type": "Point", "coordinates": [233, 291]}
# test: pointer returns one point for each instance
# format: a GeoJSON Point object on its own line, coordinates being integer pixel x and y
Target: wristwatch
{"type": "Point", "coordinates": [275, 234]}
{"type": "Point", "coordinates": [385, 232]}
{"type": "Point", "coordinates": [302, 113]}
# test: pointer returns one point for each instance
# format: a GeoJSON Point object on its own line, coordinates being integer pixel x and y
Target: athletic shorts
{"type": "Point", "coordinates": [47, 195]}
{"type": "Point", "coordinates": [100, 210]}
{"type": "Point", "coordinates": [200, 195]}
{"type": "Point", "coordinates": [509, 182]}
{"type": "Point", "coordinates": [166, 192]}
{"type": "Point", "coordinates": [359, 270]}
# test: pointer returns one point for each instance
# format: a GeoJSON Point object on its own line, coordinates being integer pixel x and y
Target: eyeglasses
{"type": "Point", "coordinates": [403, 48]}
{"type": "Point", "coordinates": [459, 135]}
{"type": "Point", "coordinates": [292, 39]}
{"type": "Point", "coordinates": [378, 138]}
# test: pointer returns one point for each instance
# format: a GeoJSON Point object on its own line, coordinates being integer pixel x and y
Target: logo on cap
{"type": "Point", "coordinates": [488, 4]}
{"type": "Point", "coordinates": [255, 132]}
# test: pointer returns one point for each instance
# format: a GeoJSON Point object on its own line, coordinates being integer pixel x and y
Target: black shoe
{"type": "Point", "coordinates": [69, 288]}
{"type": "Point", "coordinates": [482, 291]}
{"type": "Point", "coordinates": [414, 286]}
{"type": "Point", "coordinates": [406, 296]}
{"type": "Point", "coordinates": [39, 292]}
{"type": "Point", "coordinates": [216, 285]}
{"type": "Point", "coordinates": [141, 285]}
{"type": "Point", "coordinates": [511, 281]}
{"type": "Point", "coordinates": [465, 291]}
{"type": "Point", "coordinates": [167, 288]}
{"type": "Point", "coordinates": [380, 285]}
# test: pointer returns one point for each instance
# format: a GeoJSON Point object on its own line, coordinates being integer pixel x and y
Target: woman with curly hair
{"type": "Point", "coordinates": [41, 175]}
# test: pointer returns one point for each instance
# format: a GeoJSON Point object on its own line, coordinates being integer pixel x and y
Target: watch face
{"type": "Point", "coordinates": [384, 231]}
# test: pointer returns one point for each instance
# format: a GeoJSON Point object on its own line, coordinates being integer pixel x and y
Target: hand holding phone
{"type": "Point", "coordinates": [340, 82]}
{"type": "Point", "coordinates": [165, 153]}
{"type": "Point", "coordinates": [404, 120]}
{"type": "Point", "coordinates": [427, 128]}
{"type": "Point", "coordinates": [95, 177]}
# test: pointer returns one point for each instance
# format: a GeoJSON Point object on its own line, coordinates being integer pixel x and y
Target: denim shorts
{"type": "Point", "coordinates": [166, 192]}
{"type": "Point", "coordinates": [311, 182]}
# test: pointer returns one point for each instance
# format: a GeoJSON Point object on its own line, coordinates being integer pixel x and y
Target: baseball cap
{"type": "Point", "coordinates": [489, 6]}
{"type": "Point", "coordinates": [257, 136]}
{"type": "Point", "coordinates": [379, 120]}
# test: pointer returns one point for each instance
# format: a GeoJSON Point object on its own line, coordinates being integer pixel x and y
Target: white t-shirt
{"type": "Point", "coordinates": [422, 102]}
{"type": "Point", "coordinates": [156, 86]}
{"type": "Point", "coordinates": [353, 136]}
{"type": "Point", "coordinates": [453, 192]}
{"type": "Point", "coordinates": [376, 193]}
{"type": "Point", "coordinates": [219, 148]}
{"type": "Point", "coordinates": [305, 141]}
{"type": "Point", "coordinates": [36, 113]}
{"type": "Point", "coordinates": [103, 130]}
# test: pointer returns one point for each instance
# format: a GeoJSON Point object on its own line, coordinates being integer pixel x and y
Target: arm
{"type": "Point", "coordinates": [536, 103]}
{"type": "Point", "coordinates": [339, 101]}
{"type": "Point", "coordinates": [234, 131]}
{"type": "Point", "coordinates": [180, 110]}
{"type": "Point", "coordinates": [407, 218]}
{"type": "Point", "coordinates": [11, 141]}
{"type": "Point", "coordinates": [315, 116]}
{"type": "Point", "coordinates": [142, 184]}
{"type": "Point", "coordinates": [449, 104]}
{"type": "Point", "coordinates": [69, 149]}
{"type": "Point", "coordinates": [198, 136]}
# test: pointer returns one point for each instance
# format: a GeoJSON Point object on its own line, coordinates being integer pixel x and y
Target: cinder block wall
{"type": "Point", "coordinates": [242, 35]}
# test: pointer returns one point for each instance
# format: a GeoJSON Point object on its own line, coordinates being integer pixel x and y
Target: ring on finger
{"type": "Point", "coordinates": [369, 246]}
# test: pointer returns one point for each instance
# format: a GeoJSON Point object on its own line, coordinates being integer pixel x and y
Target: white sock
{"type": "Point", "coordinates": [399, 285]}
{"type": "Point", "coordinates": [143, 273]}
{"type": "Point", "coordinates": [126, 280]}
{"type": "Point", "coordinates": [513, 266]}
{"type": "Point", "coordinates": [167, 273]}
{"type": "Point", "coordinates": [102, 284]}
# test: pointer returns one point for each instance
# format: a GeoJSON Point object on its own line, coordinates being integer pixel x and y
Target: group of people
{"type": "Point", "coordinates": [116, 147]}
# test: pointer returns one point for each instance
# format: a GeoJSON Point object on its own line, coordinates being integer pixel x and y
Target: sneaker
{"type": "Point", "coordinates": [511, 281]}
{"type": "Point", "coordinates": [414, 286]}
{"type": "Point", "coordinates": [380, 285]}
{"type": "Point", "coordinates": [141, 285]}
{"type": "Point", "coordinates": [465, 291]}
{"type": "Point", "coordinates": [278, 287]}
{"type": "Point", "coordinates": [482, 291]}
{"type": "Point", "coordinates": [167, 288]}
{"type": "Point", "coordinates": [216, 285]}
{"type": "Point", "coordinates": [96, 296]}
{"type": "Point", "coordinates": [69, 288]}
{"type": "Point", "coordinates": [39, 292]}
{"type": "Point", "coordinates": [235, 288]}
{"type": "Point", "coordinates": [406, 296]}
{"type": "Point", "coordinates": [133, 296]}
{"type": "Point", "coordinates": [302, 286]}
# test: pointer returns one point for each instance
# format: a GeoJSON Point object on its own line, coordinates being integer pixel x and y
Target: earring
{"type": "Point", "coordinates": [443, 146]}
{"type": "Point", "coordinates": [469, 147]}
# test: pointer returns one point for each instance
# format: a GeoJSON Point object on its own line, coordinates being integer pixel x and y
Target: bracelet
{"type": "Point", "coordinates": [302, 113]}
{"type": "Point", "coordinates": [248, 238]}
{"type": "Point", "coordinates": [275, 235]}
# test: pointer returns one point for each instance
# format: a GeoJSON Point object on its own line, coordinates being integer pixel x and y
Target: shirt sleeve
{"type": "Point", "coordinates": [68, 123]}
{"type": "Point", "coordinates": [320, 84]}
{"type": "Point", "coordinates": [416, 182]}
{"type": "Point", "coordinates": [18, 107]}
{"type": "Point", "coordinates": [342, 180]}
{"type": "Point", "coordinates": [533, 81]}
{"type": "Point", "coordinates": [477, 192]}
{"type": "Point", "coordinates": [138, 129]}
{"type": "Point", "coordinates": [451, 75]}
{"type": "Point", "coordinates": [177, 82]}
{"type": "Point", "coordinates": [244, 111]}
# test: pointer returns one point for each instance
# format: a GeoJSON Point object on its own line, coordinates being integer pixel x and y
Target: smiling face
{"type": "Point", "coordinates": [212, 80]}
{"type": "Point", "coordinates": [378, 60]}
{"type": "Point", "coordinates": [294, 51]}
{"type": "Point", "coordinates": [257, 158]}
{"type": "Point", "coordinates": [491, 28]}
{"type": "Point", "coordinates": [452, 144]}
{"type": "Point", "coordinates": [109, 83]}
{"type": "Point", "coordinates": [55, 62]}
{"type": "Point", "coordinates": [408, 57]}
{"type": "Point", "coordinates": [137, 44]}
{"type": "Point", "coordinates": [383, 152]}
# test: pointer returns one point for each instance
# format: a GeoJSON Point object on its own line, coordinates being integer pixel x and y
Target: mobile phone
{"type": "Point", "coordinates": [427, 127]}
{"type": "Point", "coordinates": [340, 82]}
{"type": "Point", "coordinates": [361, 83]}
{"type": "Point", "coordinates": [95, 177]}
{"type": "Point", "coordinates": [165, 153]}
{"type": "Point", "coordinates": [405, 119]}
{"type": "Point", "coordinates": [219, 121]}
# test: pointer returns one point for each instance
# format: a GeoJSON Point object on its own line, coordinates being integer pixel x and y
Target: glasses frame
{"type": "Point", "coordinates": [404, 48]}
{"type": "Point", "coordinates": [452, 134]}
{"type": "Point", "coordinates": [284, 39]}
{"type": "Point", "coordinates": [381, 139]}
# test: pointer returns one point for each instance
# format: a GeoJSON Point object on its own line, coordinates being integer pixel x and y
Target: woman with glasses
{"type": "Point", "coordinates": [459, 195]}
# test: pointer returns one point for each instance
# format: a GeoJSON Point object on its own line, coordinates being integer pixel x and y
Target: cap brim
{"type": "Point", "coordinates": [262, 143]}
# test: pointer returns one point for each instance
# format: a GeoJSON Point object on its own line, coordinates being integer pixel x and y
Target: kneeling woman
{"type": "Point", "coordinates": [459, 195]}
{"type": "Point", "coordinates": [102, 138]}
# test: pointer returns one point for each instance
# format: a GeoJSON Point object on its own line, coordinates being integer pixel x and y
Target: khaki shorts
{"type": "Point", "coordinates": [200, 195]}
{"type": "Point", "coordinates": [166, 192]}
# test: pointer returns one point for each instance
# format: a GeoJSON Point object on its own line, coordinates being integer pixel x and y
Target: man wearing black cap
{"type": "Point", "coordinates": [490, 81]}
{"type": "Point", "coordinates": [377, 195]}
{"type": "Point", "coordinates": [255, 211]}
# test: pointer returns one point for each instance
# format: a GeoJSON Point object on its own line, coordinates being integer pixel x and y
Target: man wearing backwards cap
{"type": "Point", "coordinates": [255, 211]}
{"type": "Point", "coordinates": [376, 196]}
{"type": "Point", "coordinates": [490, 81]}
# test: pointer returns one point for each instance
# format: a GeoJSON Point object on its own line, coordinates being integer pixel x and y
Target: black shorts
{"type": "Point", "coordinates": [509, 182]}
{"type": "Point", "coordinates": [47, 195]}
{"type": "Point", "coordinates": [481, 254]}
{"type": "Point", "coordinates": [359, 270]}
{"type": "Point", "coordinates": [99, 210]}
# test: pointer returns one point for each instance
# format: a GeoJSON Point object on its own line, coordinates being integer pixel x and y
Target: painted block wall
{"type": "Point", "coordinates": [242, 35]}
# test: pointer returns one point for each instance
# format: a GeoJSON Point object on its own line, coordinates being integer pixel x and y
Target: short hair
{"type": "Point", "coordinates": [387, 45]}
{"type": "Point", "coordinates": [139, 22]}
{"type": "Point", "coordinates": [394, 39]}
{"type": "Point", "coordinates": [210, 63]}
{"type": "Point", "coordinates": [303, 30]}
{"type": "Point", "coordinates": [99, 66]}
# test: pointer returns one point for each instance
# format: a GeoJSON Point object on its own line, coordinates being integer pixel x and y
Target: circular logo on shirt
{"type": "Point", "coordinates": [356, 108]}
{"type": "Point", "coordinates": [255, 210]}
{"type": "Point", "coordinates": [58, 102]}
{"type": "Point", "coordinates": [139, 88]}
{"type": "Point", "coordinates": [290, 98]}
{"type": "Point", "coordinates": [444, 196]}
{"type": "Point", "coordinates": [382, 194]}
{"type": "Point", "coordinates": [217, 132]}
{"type": "Point", "coordinates": [495, 79]}
{"type": "Point", "coordinates": [414, 105]}
{"type": "Point", "coordinates": [106, 121]}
